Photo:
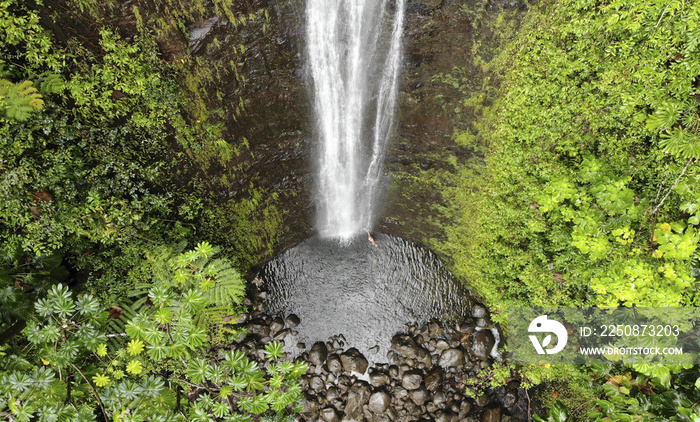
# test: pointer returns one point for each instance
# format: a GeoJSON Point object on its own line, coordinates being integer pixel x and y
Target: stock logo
{"type": "Point", "coordinates": [543, 325]}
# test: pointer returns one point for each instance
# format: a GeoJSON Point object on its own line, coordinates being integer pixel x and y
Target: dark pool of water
{"type": "Point", "coordinates": [363, 292]}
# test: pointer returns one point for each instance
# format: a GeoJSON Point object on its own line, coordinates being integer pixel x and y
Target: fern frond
{"type": "Point", "coordinates": [19, 100]}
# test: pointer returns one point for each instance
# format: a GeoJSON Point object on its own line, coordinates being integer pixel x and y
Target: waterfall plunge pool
{"type": "Point", "coordinates": [363, 292]}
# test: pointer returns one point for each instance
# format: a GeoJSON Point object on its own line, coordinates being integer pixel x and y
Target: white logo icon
{"type": "Point", "coordinates": [543, 325]}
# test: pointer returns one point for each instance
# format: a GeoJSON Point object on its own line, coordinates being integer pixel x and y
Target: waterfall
{"type": "Point", "coordinates": [354, 54]}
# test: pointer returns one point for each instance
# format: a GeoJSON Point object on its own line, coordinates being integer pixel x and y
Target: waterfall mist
{"type": "Point", "coordinates": [354, 56]}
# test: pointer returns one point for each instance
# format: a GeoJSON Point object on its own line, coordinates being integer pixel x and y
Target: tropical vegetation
{"type": "Point", "coordinates": [588, 193]}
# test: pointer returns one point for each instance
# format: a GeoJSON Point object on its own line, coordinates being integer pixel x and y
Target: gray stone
{"type": "Point", "coordinates": [358, 396]}
{"type": "Point", "coordinates": [491, 415]}
{"type": "Point", "coordinates": [379, 402]}
{"type": "Point", "coordinates": [442, 345]}
{"type": "Point", "coordinates": [510, 399]}
{"type": "Point", "coordinates": [329, 414]}
{"type": "Point", "coordinates": [332, 394]}
{"type": "Point", "coordinates": [419, 396]}
{"type": "Point", "coordinates": [405, 346]}
{"type": "Point", "coordinates": [451, 358]}
{"type": "Point", "coordinates": [292, 320]}
{"type": "Point", "coordinates": [317, 384]}
{"type": "Point", "coordinates": [433, 380]}
{"type": "Point", "coordinates": [439, 398]}
{"type": "Point", "coordinates": [334, 364]}
{"type": "Point", "coordinates": [479, 311]}
{"type": "Point", "coordinates": [318, 353]}
{"type": "Point", "coordinates": [482, 344]}
{"type": "Point", "coordinates": [378, 379]}
{"type": "Point", "coordinates": [464, 408]}
{"type": "Point", "coordinates": [353, 361]}
{"type": "Point", "coordinates": [259, 329]}
{"type": "Point", "coordinates": [484, 323]}
{"type": "Point", "coordinates": [411, 380]}
{"type": "Point", "coordinates": [277, 325]}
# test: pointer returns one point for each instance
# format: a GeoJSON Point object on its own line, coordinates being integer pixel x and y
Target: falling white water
{"type": "Point", "coordinates": [354, 52]}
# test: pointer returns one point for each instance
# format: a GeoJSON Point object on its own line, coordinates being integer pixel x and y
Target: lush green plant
{"type": "Point", "coordinates": [72, 369]}
{"type": "Point", "coordinates": [588, 192]}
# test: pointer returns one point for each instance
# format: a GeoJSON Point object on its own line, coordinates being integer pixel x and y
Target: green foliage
{"type": "Point", "coordinates": [588, 194]}
{"type": "Point", "coordinates": [19, 100]}
{"type": "Point", "coordinates": [658, 393]}
{"type": "Point", "coordinates": [71, 369]}
{"type": "Point", "coordinates": [580, 198]}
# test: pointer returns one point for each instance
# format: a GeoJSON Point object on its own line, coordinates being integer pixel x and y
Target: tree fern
{"type": "Point", "coordinates": [19, 100]}
{"type": "Point", "coordinates": [185, 273]}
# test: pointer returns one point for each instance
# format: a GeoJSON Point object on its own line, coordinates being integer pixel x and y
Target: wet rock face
{"type": "Point", "coordinates": [445, 44]}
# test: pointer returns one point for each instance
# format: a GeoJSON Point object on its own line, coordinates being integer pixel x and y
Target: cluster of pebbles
{"type": "Point", "coordinates": [429, 375]}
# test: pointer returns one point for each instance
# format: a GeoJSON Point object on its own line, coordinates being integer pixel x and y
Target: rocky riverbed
{"type": "Point", "coordinates": [429, 374]}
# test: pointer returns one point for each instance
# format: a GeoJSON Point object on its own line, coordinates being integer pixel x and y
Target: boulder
{"type": "Point", "coordinates": [329, 414]}
{"type": "Point", "coordinates": [433, 380]}
{"type": "Point", "coordinates": [358, 396]}
{"type": "Point", "coordinates": [482, 344]}
{"type": "Point", "coordinates": [318, 353]}
{"type": "Point", "coordinates": [353, 361]}
{"type": "Point", "coordinates": [412, 380]}
{"type": "Point", "coordinates": [379, 402]}
{"type": "Point", "coordinates": [451, 358]}
{"type": "Point", "coordinates": [419, 396]}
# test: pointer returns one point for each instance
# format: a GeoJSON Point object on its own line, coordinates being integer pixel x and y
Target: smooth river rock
{"type": "Point", "coordinates": [379, 402]}
{"type": "Point", "coordinates": [482, 345]}
{"type": "Point", "coordinates": [451, 358]}
{"type": "Point", "coordinates": [353, 361]}
{"type": "Point", "coordinates": [318, 353]}
{"type": "Point", "coordinates": [412, 380]}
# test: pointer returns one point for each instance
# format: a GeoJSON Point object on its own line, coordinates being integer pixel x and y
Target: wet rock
{"type": "Point", "coordinates": [443, 417]}
{"type": "Point", "coordinates": [411, 380]}
{"type": "Point", "coordinates": [442, 345]}
{"type": "Point", "coordinates": [464, 409]}
{"type": "Point", "coordinates": [358, 396]}
{"type": "Point", "coordinates": [379, 402]}
{"type": "Point", "coordinates": [482, 344]}
{"type": "Point", "coordinates": [353, 361]}
{"type": "Point", "coordinates": [292, 320]}
{"type": "Point", "coordinates": [318, 354]}
{"type": "Point", "coordinates": [378, 379]}
{"type": "Point", "coordinates": [510, 399]}
{"type": "Point", "coordinates": [439, 398]}
{"type": "Point", "coordinates": [309, 404]}
{"type": "Point", "coordinates": [491, 415]}
{"type": "Point", "coordinates": [433, 380]}
{"type": "Point", "coordinates": [276, 325]}
{"type": "Point", "coordinates": [282, 335]}
{"type": "Point", "coordinates": [317, 384]}
{"type": "Point", "coordinates": [479, 311]}
{"type": "Point", "coordinates": [419, 396]}
{"type": "Point", "coordinates": [198, 32]}
{"type": "Point", "coordinates": [484, 323]}
{"type": "Point", "coordinates": [451, 358]}
{"type": "Point", "coordinates": [405, 346]}
{"type": "Point", "coordinates": [334, 364]}
{"type": "Point", "coordinates": [258, 328]}
{"type": "Point", "coordinates": [482, 401]}
{"type": "Point", "coordinates": [329, 414]}
{"type": "Point", "coordinates": [435, 329]}
{"type": "Point", "coordinates": [332, 394]}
